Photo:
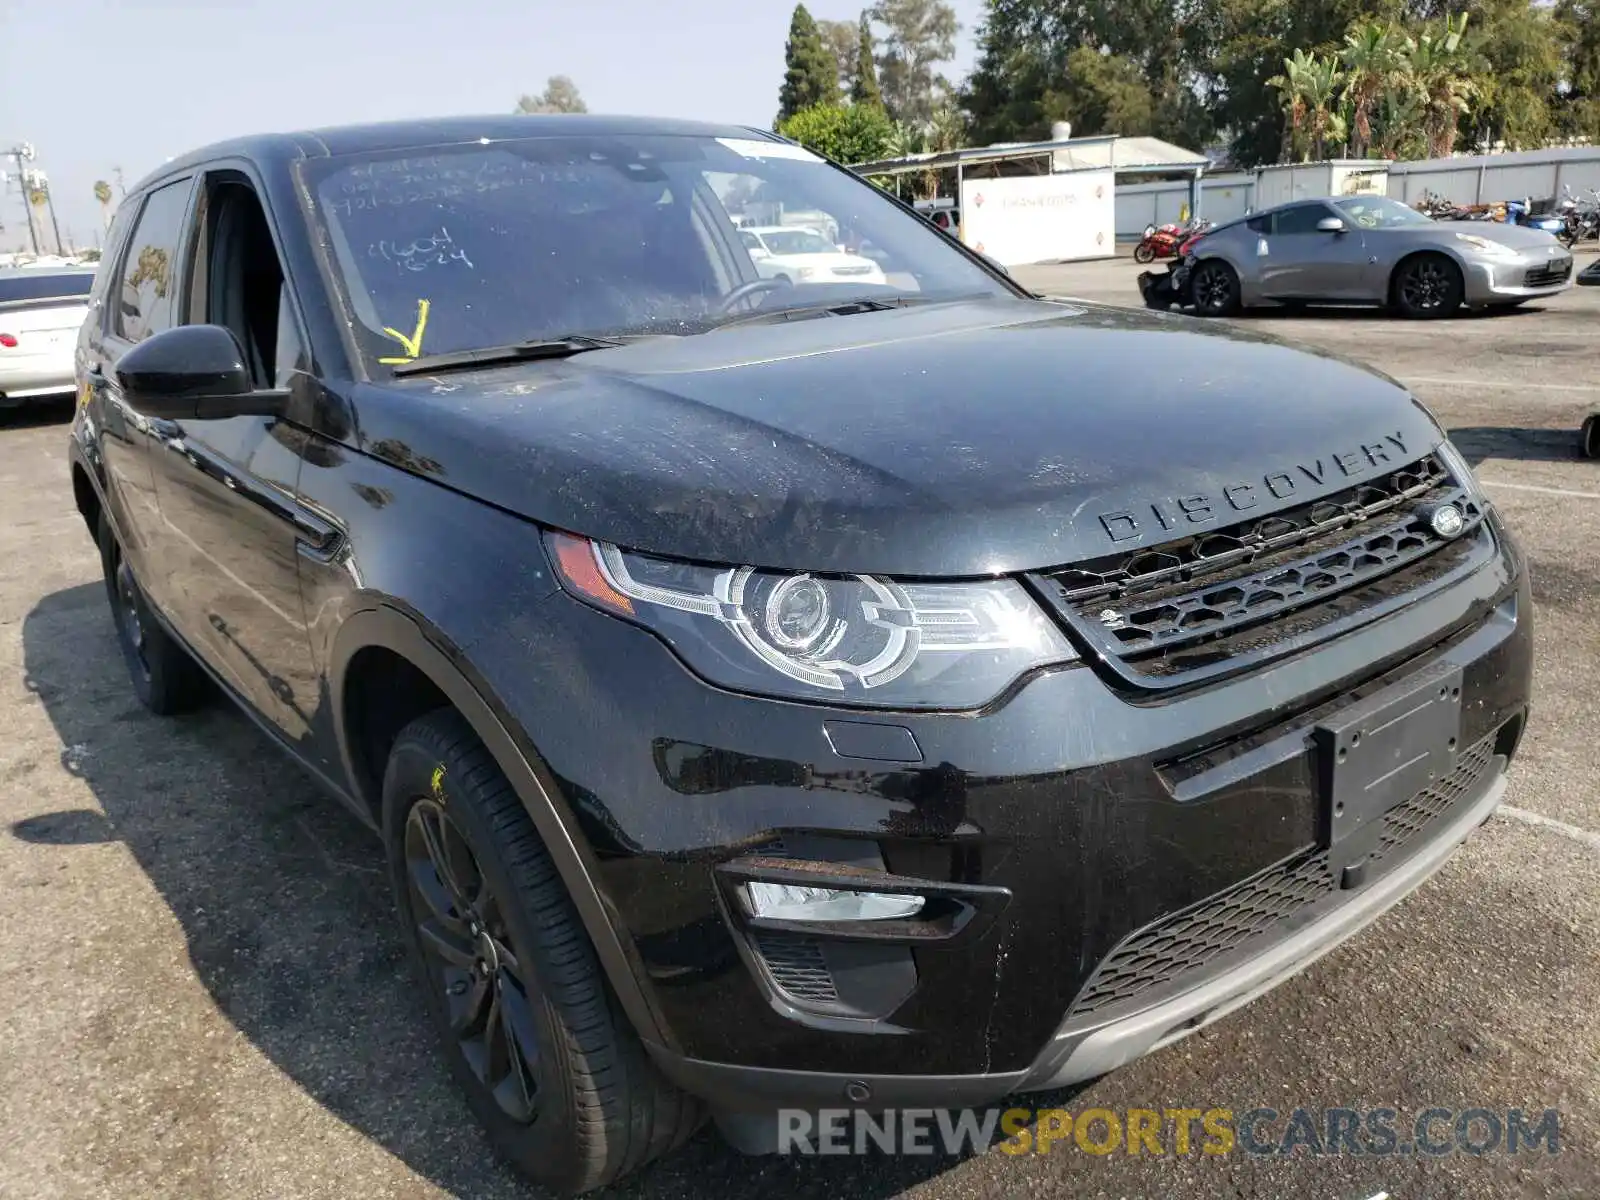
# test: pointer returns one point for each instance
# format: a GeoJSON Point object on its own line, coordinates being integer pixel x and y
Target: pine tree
{"type": "Point", "coordinates": [810, 76]}
{"type": "Point", "coordinates": [865, 88]}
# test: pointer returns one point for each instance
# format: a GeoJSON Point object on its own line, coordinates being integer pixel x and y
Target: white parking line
{"type": "Point", "coordinates": [1534, 487]}
{"type": "Point", "coordinates": [1583, 836]}
{"type": "Point", "coordinates": [1510, 386]}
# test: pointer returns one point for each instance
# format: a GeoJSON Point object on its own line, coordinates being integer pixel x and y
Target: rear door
{"type": "Point", "coordinates": [40, 315]}
{"type": "Point", "coordinates": [141, 300]}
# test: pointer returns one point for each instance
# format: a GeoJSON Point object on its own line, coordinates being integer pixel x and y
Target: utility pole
{"type": "Point", "coordinates": [50, 201]}
{"type": "Point", "coordinates": [121, 188]}
{"type": "Point", "coordinates": [19, 155]}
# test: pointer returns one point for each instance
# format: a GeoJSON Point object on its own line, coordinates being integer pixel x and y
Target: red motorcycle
{"type": "Point", "coordinates": [1166, 241]}
{"type": "Point", "coordinates": [1159, 241]}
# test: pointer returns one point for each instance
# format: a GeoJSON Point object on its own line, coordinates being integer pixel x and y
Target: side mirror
{"type": "Point", "coordinates": [1330, 225]}
{"type": "Point", "coordinates": [194, 371]}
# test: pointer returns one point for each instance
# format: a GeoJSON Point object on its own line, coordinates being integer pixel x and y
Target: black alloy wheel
{"type": "Point", "coordinates": [1428, 287]}
{"type": "Point", "coordinates": [164, 677]}
{"type": "Point", "coordinates": [461, 927]}
{"type": "Point", "coordinates": [532, 1032]}
{"type": "Point", "coordinates": [1215, 288]}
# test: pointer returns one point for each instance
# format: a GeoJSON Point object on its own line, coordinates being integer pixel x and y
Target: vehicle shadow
{"type": "Point", "coordinates": [1358, 313]}
{"type": "Point", "coordinates": [57, 410]}
{"type": "Point", "coordinates": [285, 908]}
{"type": "Point", "coordinates": [1480, 442]}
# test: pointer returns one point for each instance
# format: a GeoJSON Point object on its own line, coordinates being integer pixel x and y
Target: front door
{"type": "Point", "coordinates": [1303, 262]}
{"type": "Point", "coordinates": [227, 486]}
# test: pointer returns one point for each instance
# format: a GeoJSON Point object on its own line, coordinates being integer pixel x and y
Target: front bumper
{"type": "Point", "coordinates": [1103, 817]}
{"type": "Point", "coordinates": [1529, 276]}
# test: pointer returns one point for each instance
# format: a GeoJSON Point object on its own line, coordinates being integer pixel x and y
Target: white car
{"type": "Point", "coordinates": [803, 255]}
{"type": "Point", "coordinates": [41, 310]}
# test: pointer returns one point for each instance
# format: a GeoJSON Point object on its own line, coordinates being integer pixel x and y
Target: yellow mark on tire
{"type": "Point", "coordinates": [413, 344]}
{"type": "Point", "coordinates": [438, 783]}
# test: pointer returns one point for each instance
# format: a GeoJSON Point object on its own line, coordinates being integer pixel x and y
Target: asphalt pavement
{"type": "Point", "coordinates": [205, 993]}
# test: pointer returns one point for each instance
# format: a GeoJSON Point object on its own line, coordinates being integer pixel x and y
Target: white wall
{"type": "Point", "coordinates": [1040, 218]}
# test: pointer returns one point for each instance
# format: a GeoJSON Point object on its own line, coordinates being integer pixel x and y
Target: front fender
{"type": "Point", "coordinates": [385, 625]}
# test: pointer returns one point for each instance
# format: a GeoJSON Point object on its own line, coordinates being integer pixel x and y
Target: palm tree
{"type": "Point", "coordinates": [1439, 75]}
{"type": "Point", "coordinates": [1292, 86]}
{"type": "Point", "coordinates": [1310, 87]}
{"type": "Point", "coordinates": [1372, 60]}
{"type": "Point", "coordinates": [102, 193]}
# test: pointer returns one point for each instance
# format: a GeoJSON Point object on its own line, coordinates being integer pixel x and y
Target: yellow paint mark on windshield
{"type": "Point", "coordinates": [411, 345]}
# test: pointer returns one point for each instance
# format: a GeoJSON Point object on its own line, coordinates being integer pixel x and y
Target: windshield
{"type": "Point", "coordinates": [1379, 212]}
{"type": "Point", "coordinates": [466, 247]}
{"type": "Point", "coordinates": [796, 241]}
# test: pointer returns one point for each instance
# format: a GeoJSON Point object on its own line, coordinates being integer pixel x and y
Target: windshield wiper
{"type": "Point", "coordinates": [830, 308]}
{"type": "Point", "coordinates": [556, 347]}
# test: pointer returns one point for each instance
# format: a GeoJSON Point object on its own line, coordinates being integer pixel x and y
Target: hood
{"type": "Point", "coordinates": [1518, 237]}
{"type": "Point", "coordinates": [827, 260]}
{"type": "Point", "coordinates": [947, 440]}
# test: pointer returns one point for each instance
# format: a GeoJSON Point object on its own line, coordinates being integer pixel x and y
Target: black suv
{"type": "Point", "coordinates": [845, 687]}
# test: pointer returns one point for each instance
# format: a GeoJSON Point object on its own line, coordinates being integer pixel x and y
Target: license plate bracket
{"type": "Point", "coordinates": [1381, 751]}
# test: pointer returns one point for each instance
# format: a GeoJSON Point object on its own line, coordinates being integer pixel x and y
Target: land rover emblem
{"type": "Point", "coordinates": [1447, 521]}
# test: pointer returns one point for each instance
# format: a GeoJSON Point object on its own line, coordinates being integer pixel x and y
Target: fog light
{"type": "Point", "coordinates": [788, 902]}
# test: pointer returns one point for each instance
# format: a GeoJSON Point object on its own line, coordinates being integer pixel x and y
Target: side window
{"type": "Point", "coordinates": [1301, 220]}
{"type": "Point", "coordinates": [244, 281]}
{"type": "Point", "coordinates": [1261, 224]}
{"type": "Point", "coordinates": [148, 292]}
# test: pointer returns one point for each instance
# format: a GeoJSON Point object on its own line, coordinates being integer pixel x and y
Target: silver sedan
{"type": "Point", "coordinates": [1373, 250]}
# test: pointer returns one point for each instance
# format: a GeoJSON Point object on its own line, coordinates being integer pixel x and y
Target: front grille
{"type": "Point", "coordinates": [1183, 609]}
{"type": "Point", "coordinates": [1557, 270]}
{"type": "Point", "coordinates": [1184, 949]}
{"type": "Point", "coordinates": [856, 270]}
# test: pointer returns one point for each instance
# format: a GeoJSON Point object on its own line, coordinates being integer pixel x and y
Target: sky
{"type": "Point", "coordinates": [98, 84]}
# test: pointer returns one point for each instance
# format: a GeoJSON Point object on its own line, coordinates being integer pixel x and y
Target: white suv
{"type": "Point", "coordinates": [41, 309]}
{"type": "Point", "coordinates": [803, 255]}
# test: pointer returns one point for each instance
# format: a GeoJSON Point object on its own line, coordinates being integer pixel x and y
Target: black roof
{"type": "Point", "coordinates": [438, 131]}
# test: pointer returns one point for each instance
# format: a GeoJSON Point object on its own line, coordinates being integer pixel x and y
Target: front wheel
{"type": "Point", "coordinates": [549, 1063]}
{"type": "Point", "coordinates": [1215, 288]}
{"type": "Point", "coordinates": [1144, 253]}
{"type": "Point", "coordinates": [1589, 437]}
{"type": "Point", "coordinates": [1427, 287]}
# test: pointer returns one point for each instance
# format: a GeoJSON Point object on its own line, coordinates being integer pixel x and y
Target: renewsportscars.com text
{"type": "Point", "coordinates": [1178, 1132]}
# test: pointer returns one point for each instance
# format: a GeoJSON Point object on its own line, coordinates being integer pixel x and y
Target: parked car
{"type": "Point", "coordinates": [774, 695]}
{"type": "Point", "coordinates": [798, 254]}
{"type": "Point", "coordinates": [41, 309]}
{"type": "Point", "coordinates": [1373, 250]}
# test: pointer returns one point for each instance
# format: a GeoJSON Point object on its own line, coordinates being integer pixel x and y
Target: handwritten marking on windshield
{"type": "Point", "coordinates": [435, 249]}
{"type": "Point", "coordinates": [413, 344]}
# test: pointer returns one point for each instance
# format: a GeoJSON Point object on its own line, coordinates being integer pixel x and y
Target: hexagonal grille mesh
{"type": "Point", "coordinates": [1185, 947]}
{"type": "Point", "coordinates": [1144, 606]}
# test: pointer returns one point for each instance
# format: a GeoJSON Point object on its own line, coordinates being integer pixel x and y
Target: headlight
{"type": "Point", "coordinates": [856, 639]}
{"type": "Point", "coordinates": [1485, 246]}
{"type": "Point", "coordinates": [1458, 467]}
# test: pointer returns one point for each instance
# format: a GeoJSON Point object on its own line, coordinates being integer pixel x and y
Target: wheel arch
{"type": "Point", "coordinates": [1423, 252]}
{"type": "Point", "coordinates": [386, 630]}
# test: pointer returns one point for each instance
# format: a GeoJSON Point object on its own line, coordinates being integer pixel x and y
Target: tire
{"type": "Point", "coordinates": [1215, 288]}
{"type": "Point", "coordinates": [1426, 288]}
{"type": "Point", "coordinates": [585, 1106]}
{"type": "Point", "coordinates": [1144, 254]}
{"type": "Point", "coordinates": [166, 680]}
{"type": "Point", "coordinates": [1589, 436]}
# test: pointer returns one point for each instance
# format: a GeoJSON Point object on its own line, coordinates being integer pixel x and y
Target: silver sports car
{"type": "Point", "coordinates": [1373, 250]}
